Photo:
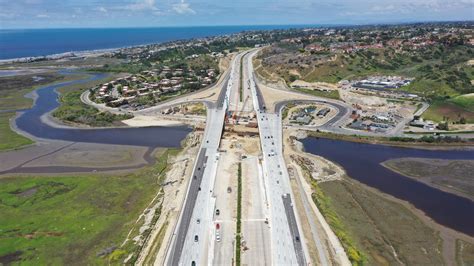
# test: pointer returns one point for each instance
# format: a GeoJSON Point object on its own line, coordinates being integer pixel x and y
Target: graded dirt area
{"type": "Point", "coordinates": [273, 96]}
{"type": "Point", "coordinates": [454, 176]}
{"type": "Point", "coordinates": [255, 230]}
{"type": "Point", "coordinates": [225, 191]}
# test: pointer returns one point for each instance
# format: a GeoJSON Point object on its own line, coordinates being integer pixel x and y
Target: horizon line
{"type": "Point", "coordinates": [254, 25]}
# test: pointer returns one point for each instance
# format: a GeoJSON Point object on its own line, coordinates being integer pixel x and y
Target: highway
{"type": "Point", "coordinates": [193, 239]}
{"type": "Point", "coordinates": [287, 246]}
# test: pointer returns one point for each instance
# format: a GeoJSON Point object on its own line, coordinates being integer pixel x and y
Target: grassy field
{"type": "Point", "coordinates": [14, 88]}
{"type": "Point", "coordinates": [464, 253]}
{"type": "Point", "coordinates": [8, 138]}
{"type": "Point", "coordinates": [378, 226]}
{"type": "Point", "coordinates": [71, 220]}
{"type": "Point", "coordinates": [453, 110]}
{"type": "Point", "coordinates": [332, 94]}
{"type": "Point", "coordinates": [465, 101]}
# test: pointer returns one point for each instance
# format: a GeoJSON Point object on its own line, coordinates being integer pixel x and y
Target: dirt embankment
{"type": "Point", "coordinates": [174, 192]}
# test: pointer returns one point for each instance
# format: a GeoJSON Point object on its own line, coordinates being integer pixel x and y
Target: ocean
{"type": "Point", "coordinates": [41, 42]}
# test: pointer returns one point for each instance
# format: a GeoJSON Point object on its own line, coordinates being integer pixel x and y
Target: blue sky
{"type": "Point", "coordinates": [161, 13]}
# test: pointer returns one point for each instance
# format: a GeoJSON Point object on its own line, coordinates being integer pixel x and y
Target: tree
{"type": "Point", "coordinates": [293, 78]}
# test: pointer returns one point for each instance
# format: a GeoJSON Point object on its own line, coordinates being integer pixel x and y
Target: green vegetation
{"type": "Point", "coordinates": [453, 176]}
{"type": "Point", "coordinates": [325, 207]}
{"type": "Point", "coordinates": [241, 89]}
{"type": "Point", "coordinates": [8, 138]}
{"type": "Point", "coordinates": [439, 71]}
{"type": "Point", "coordinates": [150, 259]}
{"type": "Point", "coordinates": [238, 237]}
{"type": "Point", "coordinates": [464, 253]}
{"type": "Point", "coordinates": [79, 220]}
{"type": "Point", "coordinates": [426, 140]}
{"type": "Point", "coordinates": [452, 111]}
{"type": "Point", "coordinates": [14, 88]}
{"type": "Point", "coordinates": [286, 109]}
{"type": "Point", "coordinates": [459, 110]}
{"type": "Point", "coordinates": [384, 231]}
{"type": "Point", "coordinates": [464, 101]}
{"type": "Point", "coordinates": [332, 94]}
{"type": "Point", "coordinates": [73, 110]}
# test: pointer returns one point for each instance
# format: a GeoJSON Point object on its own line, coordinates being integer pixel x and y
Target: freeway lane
{"type": "Point", "coordinates": [188, 208]}
{"type": "Point", "coordinates": [293, 228]}
{"type": "Point", "coordinates": [192, 237]}
{"type": "Point", "coordinates": [284, 229]}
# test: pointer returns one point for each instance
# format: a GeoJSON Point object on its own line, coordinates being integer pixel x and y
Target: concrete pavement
{"type": "Point", "coordinates": [194, 234]}
{"type": "Point", "coordinates": [284, 229]}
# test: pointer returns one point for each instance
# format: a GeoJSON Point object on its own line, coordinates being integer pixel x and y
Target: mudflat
{"type": "Point", "coordinates": [453, 176]}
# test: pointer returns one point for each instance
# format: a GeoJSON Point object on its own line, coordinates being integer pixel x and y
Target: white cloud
{"type": "Point", "coordinates": [183, 8]}
{"type": "Point", "coordinates": [102, 9]}
{"type": "Point", "coordinates": [142, 5]}
{"type": "Point", "coordinates": [383, 8]}
{"type": "Point", "coordinates": [42, 16]}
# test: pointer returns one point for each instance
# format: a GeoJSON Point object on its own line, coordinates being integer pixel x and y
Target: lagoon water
{"type": "Point", "coordinates": [362, 162]}
{"type": "Point", "coordinates": [40, 42]}
{"type": "Point", "coordinates": [31, 123]}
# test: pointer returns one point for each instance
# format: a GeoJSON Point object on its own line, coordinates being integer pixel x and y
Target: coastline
{"type": "Point", "coordinates": [71, 54]}
{"type": "Point", "coordinates": [181, 37]}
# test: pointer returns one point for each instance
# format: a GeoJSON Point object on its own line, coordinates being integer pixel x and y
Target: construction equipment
{"type": "Point", "coordinates": [241, 110]}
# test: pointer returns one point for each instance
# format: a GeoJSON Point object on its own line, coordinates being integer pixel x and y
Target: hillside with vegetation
{"type": "Point", "coordinates": [439, 60]}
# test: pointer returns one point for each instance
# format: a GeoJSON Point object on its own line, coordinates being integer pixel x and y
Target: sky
{"type": "Point", "coordinates": [165, 13]}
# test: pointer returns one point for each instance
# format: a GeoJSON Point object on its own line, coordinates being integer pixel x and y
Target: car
{"type": "Point", "coordinates": [198, 220]}
{"type": "Point", "coordinates": [229, 189]}
{"type": "Point", "coordinates": [193, 263]}
{"type": "Point", "coordinates": [218, 212]}
{"type": "Point", "coordinates": [218, 237]}
{"type": "Point", "coordinates": [196, 238]}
